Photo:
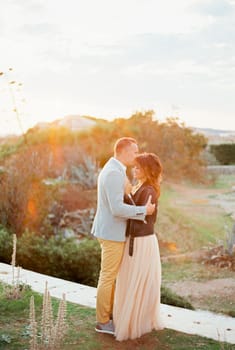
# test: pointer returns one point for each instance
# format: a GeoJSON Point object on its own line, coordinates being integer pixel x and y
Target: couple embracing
{"type": "Point", "coordinates": [128, 291]}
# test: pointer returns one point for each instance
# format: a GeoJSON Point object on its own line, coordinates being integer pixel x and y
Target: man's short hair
{"type": "Point", "coordinates": [122, 143]}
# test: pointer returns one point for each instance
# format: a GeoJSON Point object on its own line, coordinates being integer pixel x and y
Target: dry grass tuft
{"type": "Point", "coordinates": [52, 333]}
{"type": "Point", "coordinates": [14, 291]}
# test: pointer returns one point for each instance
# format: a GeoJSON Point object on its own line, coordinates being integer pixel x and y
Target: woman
{"type": "Point", "coordinates": [137, 295]}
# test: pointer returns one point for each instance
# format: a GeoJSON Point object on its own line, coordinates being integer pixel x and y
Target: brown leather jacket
{"type": "Point", "coordinates": [137, 228]}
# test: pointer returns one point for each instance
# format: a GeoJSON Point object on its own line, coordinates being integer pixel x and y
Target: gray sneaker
{"type": "Point", "coordinates": [105, 327]}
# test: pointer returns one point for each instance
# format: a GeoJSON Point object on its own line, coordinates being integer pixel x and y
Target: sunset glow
{"type": "Point", "coordinates": [109, 59]}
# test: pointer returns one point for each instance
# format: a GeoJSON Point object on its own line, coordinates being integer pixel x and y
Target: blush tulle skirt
{"type": "Point", "coordinates": [137, 295]}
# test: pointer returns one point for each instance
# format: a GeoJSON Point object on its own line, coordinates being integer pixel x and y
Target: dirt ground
{"type": "Point", "coordinates": [211, 198]}
{"type": "Point", "coordinates": [221, 289]}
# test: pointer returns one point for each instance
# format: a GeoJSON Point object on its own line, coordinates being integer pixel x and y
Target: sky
{"type": "Point", "coordinates": [109, 59]}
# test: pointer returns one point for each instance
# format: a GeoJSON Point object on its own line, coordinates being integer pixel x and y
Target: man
{"type": "Point", "coordinates": [109, 225]}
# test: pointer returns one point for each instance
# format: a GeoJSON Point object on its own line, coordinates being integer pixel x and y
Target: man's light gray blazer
{"type": "Point", "coordinates": [112, 213]}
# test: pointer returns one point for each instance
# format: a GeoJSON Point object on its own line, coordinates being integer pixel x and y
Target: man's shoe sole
{"type": "Point", "coordinates": [104, 331]}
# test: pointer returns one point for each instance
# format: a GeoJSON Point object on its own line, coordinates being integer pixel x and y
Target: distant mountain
{"type": "Point", "coordinates": [216, 136]}
{"type": "Point", "coordinates": [210, 131]}
{"type": "Point", "coordinates": [72, 122]}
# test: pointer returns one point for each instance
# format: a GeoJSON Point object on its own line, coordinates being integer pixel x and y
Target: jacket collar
{"type": "Point", "coordinates": [119, 164]}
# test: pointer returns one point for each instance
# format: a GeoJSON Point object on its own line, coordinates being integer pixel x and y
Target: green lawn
{"type": "Point", "coordinates": [14, 331]}
{"type": "Point", "coordinates": [224, 181]}
{"type": "Point", "coordinates": [188, 218]}
{"type": "Point", "coordinates": [190, 221]}
{"type": "Point", "coordinates": [192, 271]}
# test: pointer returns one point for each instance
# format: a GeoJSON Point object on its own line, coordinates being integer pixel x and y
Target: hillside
{"type": "Point", "coordinates": [217, 136]}
{"type": "Point", "coordinates": [73, 122]}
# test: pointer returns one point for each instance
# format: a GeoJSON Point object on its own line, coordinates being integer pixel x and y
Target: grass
{"type": "Point", "coordinates": [14, 333]}
{"type": "Point", "coordinates": [197, 272]}
{"type": "Point", "coordinates": [192, 271]}
{"type": "Point", "coordinates": [188, 219]}
{"type": "Point", "coordinates": [170, 298]}
{"type": "Point", "coordinates": [190, 223]}
{"type": "Point", "coordinates": [215, 303]}
{"type": "Point", "coordinates": [223, 181]}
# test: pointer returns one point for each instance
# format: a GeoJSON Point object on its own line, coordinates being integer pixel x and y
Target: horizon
{"type": "Point", "coordinates": [110, 60]}
{"type": "Point", "coordinates": [206, 129]}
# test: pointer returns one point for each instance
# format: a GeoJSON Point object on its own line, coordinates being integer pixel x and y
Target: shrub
{"type": "Point", "coordinates": [230, 240]}
{"type": "Point", "coordinates": [170, 298]}
{"type": "Point", "coordinates": [85, 173]}
{"type": "Point", "coordinates": [60, 257]}
{"type": "Point", "coordinates": [72, 197]}
{"type": "Point", "coordinates": [224, 153]}
{"type": "Point", "coordinates": [5, 245]}
{"type": "Point", "coordinates": [7, 149]}
{"type": "Point", "coordinates": [25, 200]}
{"type": "Point", "coordinates": [171, 140]}
{"type": "Point", "coordinates": [81, 261]}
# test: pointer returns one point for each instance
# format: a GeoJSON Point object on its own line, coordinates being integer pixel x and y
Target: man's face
{"type": "Point", "coordinates": [129, 154]}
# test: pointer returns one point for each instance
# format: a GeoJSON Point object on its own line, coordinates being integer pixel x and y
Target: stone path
{"type": "Point", "coordinates": [203, 323]}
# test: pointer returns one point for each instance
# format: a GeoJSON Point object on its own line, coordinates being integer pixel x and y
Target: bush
{"type": "Point", "coordinates": [6, 244]}
{"type": "Point", "coordinates": [6, 150]}
{"type": "Point", "coordinates": [224, 153]}
{"type": "Point", "coordinates": [170, 298]}
{"type": "Point", "coordinates": [171, 140]}
{"type": "Point", "coordinates": [57, 256]}
{"type": "Point", "coordinates": [25, 199]}
{"type": "Point", "coordinates": [86, 173]}
{"type": "Point", "coordinates": [60, 257]}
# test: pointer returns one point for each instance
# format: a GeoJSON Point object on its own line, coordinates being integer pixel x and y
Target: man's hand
{"type": "Point", "coordinates": [149, 206]}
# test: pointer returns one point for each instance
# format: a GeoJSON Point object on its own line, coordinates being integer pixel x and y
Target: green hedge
{"type": "Point", "coordinates": [171, 298]}
{"type": "Point", "coordinates": [56, 256]}
{"type": "Point", "coordinates": [224, 153]}
{"type": "Point", "coordinates": [6, 245]}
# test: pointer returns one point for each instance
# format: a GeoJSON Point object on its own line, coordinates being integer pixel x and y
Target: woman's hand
{"type": "Point", "coordinates": [128, 186]}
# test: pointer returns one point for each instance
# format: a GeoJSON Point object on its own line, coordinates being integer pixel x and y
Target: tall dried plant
{"type": "Point", "coordinates": [16, 97]}
{"type": "Point", "coordinates": [230, 240]}
{"type": "Point", "coordinates": [33, 326]}
{"type": "Point", "coordinates": [47, 316]}
{"type": "Point", "coordinates": [52, 332]}
{"type": "Point", "coordinates": [14, 290]}
{"type": "Point", "coordinates": [13, 258]}
{"type": "Point", "coordinates": [60, 326]}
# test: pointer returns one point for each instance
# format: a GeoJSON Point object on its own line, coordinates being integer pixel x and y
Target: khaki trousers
{"type": "Point", "coordinates": [111, 257]}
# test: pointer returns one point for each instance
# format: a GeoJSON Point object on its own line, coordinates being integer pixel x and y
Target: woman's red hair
{"type": "Point", "coordinates": [152, 167]}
